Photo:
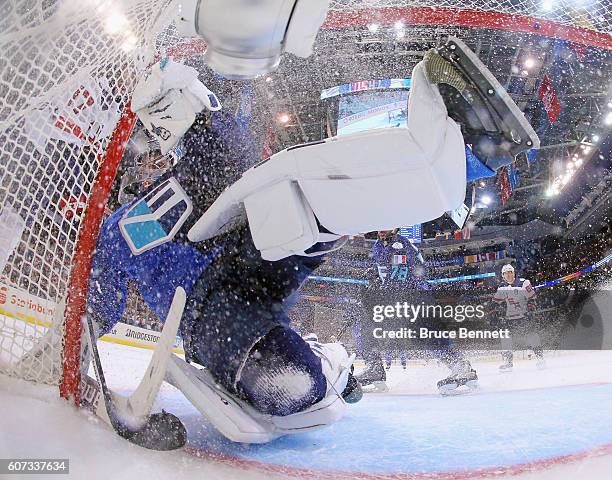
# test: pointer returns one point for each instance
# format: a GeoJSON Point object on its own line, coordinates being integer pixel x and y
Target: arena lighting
{"type": "Point", "coordinates": [578, 162]}
{"type": "Point", "coordinates": [130, 43]}
{"type": "Point", "coordinates": [115, 22]}
{"type": "Point", "coordinates": [486, 199]}
{"type": "Point", "coordinates": [595, 138]}
{"type": "Point", "coordinates": [608, 119]}
{"type": "Point", "coordinates": [373, 27]}
{"type": "Point", "coordinates": [547, 5]}
{"type": "Point", "coordinates": [398, 25]}
{"type": "Point", "coordinates": [529, 63]}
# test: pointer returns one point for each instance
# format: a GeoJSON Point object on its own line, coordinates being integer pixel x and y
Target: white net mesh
{"type": "Point", "coordinates": [67, 70]}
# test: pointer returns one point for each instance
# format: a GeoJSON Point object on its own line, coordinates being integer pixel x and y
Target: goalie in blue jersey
{"type": "Point", "coordinates": [240, 237]}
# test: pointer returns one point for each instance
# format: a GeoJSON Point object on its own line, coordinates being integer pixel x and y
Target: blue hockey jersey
{"type": "Point", "coordinates": [398, 262]}
{"type": "Point", "coordinates": [155, 253]}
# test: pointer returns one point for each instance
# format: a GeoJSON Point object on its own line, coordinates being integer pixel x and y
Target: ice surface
{"type": "Point", "coordinates": [544, 424]}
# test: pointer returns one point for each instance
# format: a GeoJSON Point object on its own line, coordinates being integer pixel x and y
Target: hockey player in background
{"type": "Point", "coordinates": [389, 355]}
{"type": "Point", "coordinates": [240, 239]}
{"type": "Point", "coordinates": [517, 298]}
{"type": "Point", "coordinates": [399, 269]}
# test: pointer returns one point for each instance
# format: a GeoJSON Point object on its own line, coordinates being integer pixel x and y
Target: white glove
{"type": "Point", "coordinates": [168, 99]}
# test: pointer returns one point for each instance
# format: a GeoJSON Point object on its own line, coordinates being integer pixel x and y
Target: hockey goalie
{"type": "Point", "coordinates": [240, 237]}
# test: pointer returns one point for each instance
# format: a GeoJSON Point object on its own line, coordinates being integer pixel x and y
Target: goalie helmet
{"type": "Point", "coordinates": [147, 167]}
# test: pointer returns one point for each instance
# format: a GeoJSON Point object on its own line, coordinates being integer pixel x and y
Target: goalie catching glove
{"type": "Point", "coordinates": [168, 99]}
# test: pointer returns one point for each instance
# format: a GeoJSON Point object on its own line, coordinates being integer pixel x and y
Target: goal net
{"type": "Point", "coordinates": [67, 71]}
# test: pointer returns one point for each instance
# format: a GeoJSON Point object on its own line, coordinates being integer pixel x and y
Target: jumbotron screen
{"type": "Point", "coordinates": [372, 110]}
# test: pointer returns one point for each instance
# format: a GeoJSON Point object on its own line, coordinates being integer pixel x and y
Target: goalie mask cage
{"type": "Point", "coordinates": [67, 71]}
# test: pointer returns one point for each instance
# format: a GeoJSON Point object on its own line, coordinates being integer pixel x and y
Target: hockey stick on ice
{"type": "Point", "coordinates": [130, 416]}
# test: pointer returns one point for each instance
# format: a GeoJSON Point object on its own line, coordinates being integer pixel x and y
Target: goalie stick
{"type": "Point", "coordinates": [130, 416]}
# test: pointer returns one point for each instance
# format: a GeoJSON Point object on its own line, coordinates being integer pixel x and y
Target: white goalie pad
{"type": "Point", "coordinates": [359, 183]}
{"type": "Point", "coordinates": [245, 38]}
{"type": "Point", "coordinates": [237, 420]}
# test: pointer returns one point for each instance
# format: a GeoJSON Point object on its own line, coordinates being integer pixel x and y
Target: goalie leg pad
{"type": "Point", "coordinates": [348, 185]}
{"type": "Point", "coordinates": [286, 385]}
{"type": "Point", "coordinates": [281, 375]}
{"type": "Point", "coordinates": [237, 420]}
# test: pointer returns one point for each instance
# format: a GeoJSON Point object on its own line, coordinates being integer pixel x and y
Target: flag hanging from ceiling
{"type": "Point", "coordinates": [268, 146]}
{"type": "Point", "coordinates": [513, 177]}
{"type": "Point", "coordinates": [550, 99]}
{"type": "Point", "coordinates": [504, 185]}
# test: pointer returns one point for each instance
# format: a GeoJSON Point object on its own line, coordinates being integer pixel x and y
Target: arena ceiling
{"type": "Point", "coordinates": [351, 54]}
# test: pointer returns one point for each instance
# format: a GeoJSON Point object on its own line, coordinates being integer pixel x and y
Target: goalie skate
{"type": "Point", "coordinates": [491, 121]}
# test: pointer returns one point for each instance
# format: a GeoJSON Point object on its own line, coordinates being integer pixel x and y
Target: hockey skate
{"type": "Point", "coordinates": [509, 364]}
{"type": "Point", "coordinates": [373, 379]}
{"type": "Point", "coordinates": [490, 120]}
{"type": "Point", "coordinates": [462, 375]}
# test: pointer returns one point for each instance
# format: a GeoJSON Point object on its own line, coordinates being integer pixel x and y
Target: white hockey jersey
{"type": "Point", "coordinates": [516, 296]}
